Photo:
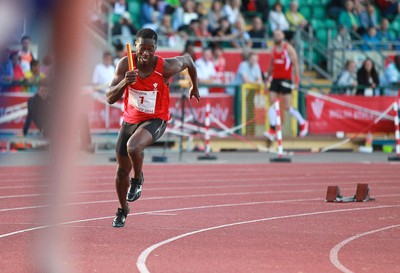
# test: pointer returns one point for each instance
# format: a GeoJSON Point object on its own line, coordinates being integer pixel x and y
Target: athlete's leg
{"type": "Point", "coordinates": [136, 144]}
{"type": "Point", "coordinates": [271, 110]}
{"type": "Point", "coordinates": [287, 104]}
{"type": "Point", "coordinates": [122, 179]}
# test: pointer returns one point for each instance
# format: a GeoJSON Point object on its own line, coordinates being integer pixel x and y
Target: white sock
{"type": "Point", "coordinates": [295, 113]}
{"type": "Point", "coordinates": [272, 116]}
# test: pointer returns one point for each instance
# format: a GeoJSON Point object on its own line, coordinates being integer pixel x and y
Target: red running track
{"type": "Point", "coordinates": [205, 218]}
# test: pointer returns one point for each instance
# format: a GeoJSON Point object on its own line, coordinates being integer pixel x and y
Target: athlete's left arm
{"type": "Point", "coordinates": [176, 65]}
{"type": "Point", "coordinates": [295, 62]}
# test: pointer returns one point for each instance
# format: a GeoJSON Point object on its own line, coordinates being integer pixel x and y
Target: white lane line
{"type": "Point", "coordinates": [334, 253]}
{"type": "Point", "coordinates": [141, 261]}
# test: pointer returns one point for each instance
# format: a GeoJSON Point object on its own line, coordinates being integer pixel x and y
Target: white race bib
{"type": "Point", "coordinates": [143, 101]}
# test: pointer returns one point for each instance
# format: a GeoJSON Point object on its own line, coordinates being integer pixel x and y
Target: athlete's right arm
{"type": "Point", "coordinates": [122, 79]}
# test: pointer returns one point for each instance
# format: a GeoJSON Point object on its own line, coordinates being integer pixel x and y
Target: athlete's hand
{"type": "Point", "coordinates": [131, 76]}
{"type": "Point", "coordinates": [194, 92]}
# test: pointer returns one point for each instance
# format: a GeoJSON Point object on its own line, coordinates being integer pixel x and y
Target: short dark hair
{"type": "Point", "coordinates": [25, 37]}
{"type": "Point", "coordinates": [147, 33]}
{"type": "Point", "coordinates": [34, 63]}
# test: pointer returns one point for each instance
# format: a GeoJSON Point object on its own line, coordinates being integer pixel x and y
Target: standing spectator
{"type": "Point", "coordinates": [258, 32]}
{"type": "Point", "coordinates": [385, 35]}
{"type": "Point", "coordinates": [249, 70]}
{"type": "Point", "coordinates": [368, 18]}
{"type": "Point", "coordinates": [214, 15]}
{"type": "Point", "coordinates": [19, 76]}
{"type": "Point", "coordinates": [103, 72]}
{"type": "Point", "coordinates": [343, 39]}
{"type": "Point", "coordinates": [283, 68]}
{"type": "Point", "coordinates": [205, 70]}
{"type": "Point", "coordinates": [348, 18]}
{"type": "Point", "coordinates": [124, 29]}
{"type": "Point", "coordinates": [295, 18]}
{"type": "Point", "coordinates": [6, 70]}
{"type": "Point", "coordinates": [391, 76]}
{"type": "Point", "coordinates": [277, 21]}
{"type": "Point", "coordinates": [219, 64]}
{"type": "Point", "coordinates": [347, 78]}
{"type": "Point", "coordinates": [231, 10]}
{"type": "Point", "coordinates": [367, 78]}
{"type": "Point", "coordinates": [26, 53]}
{"type": "Point", "coordinates": [34, 77]}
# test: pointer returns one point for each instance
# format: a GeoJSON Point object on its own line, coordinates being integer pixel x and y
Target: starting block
{"type": "Point", "coordinates": [333, 194]}
{"type": "Point", "coordinates": [362, 193]}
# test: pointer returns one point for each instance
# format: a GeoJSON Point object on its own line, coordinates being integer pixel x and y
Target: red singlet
{"type": "Point", "coordinates": [147, 98]}
{"type": "Point", "coordinates": [282, 64]}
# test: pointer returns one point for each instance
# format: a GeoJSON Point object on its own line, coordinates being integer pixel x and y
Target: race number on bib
{"type": "Point", "coordinates": [143, 101]}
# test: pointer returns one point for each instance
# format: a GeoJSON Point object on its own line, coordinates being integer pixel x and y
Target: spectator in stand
{"type": "Point", "coordinates": [200, 9]}
{"type": "Point", "coordinates": [206, 73]}
{"type": "Point", "coordinates": [348, 18]}
{"type": "Point", "coordinates": [231, 10]}
{"type": "Point", "coordinates": [103, 72]}
{"type": "Point", "coordinates": [334, 8]}
{"type": "Point", "coordinates": [6, 70]}
{"type": "Point", "coordinates": [259, 6]}
{"type": "Point", "coordinates": [47, 65]}
{"type": "Point", "coordinates": [147, 10]}
{"type": "Point", "coordinates": [389, 8]}
{"type": "Point", "coordinates": [347, 78]}
{"type": "Point", "coordinates": [214, 15]}
{"type": "Point", "coordinates": [19, 76]}
{"type": "Point", "coordinates": [199, 29]}
{"type": "Point", "coordinates": [219, 64]}
{"type": "Point", "coordinates": [367, 79]}
{"type": "Point", "coordinates": [155, 22]}
{"type": "Point", "coordinates": [224, 33]}
{"type": "Point", "coordinates": [124, 29]}
{"type": "Point", "coordinates": [258, 32]}
{"type": "Point", "coordinates": [391, 76]}
{"type": "Point", "coordinates": [165, 31]}
{"type": "Point", "coordinates": [249, 70]}
{"type": "Point", "coordinates": [34, 77]}
{"type": "Point", "coordinates": [185, 14]}
{"type": "Point", "coordinates": [371, 40]}
{"type": "Point", "coordinates": [242, 37]}
{"type": "Point", "coordinates": [26, 53]}
{"type": "Point", "coordinates": [38, 110]}
{"type": "Point", "coordinates": [120, 7]}
{"type": "Point", "coordinates": [385, 35]}
{"type": "Point", "coordinates": [368, 18]}
{"type": "Point", "coordinates": [277, 21]}
{"type": "Point", "coordinates": [119, 53]}
{"type": "Point", "coordinates": [295, 18]}
{"type": "Point", "coordinates": [343, 39]}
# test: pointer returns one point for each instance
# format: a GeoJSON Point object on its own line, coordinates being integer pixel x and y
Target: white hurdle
{"type": "Point", "coordinates": [397, 132]}
{"type": "Point", "coordinates": [278, 128]}
{"type": "Point", "coordinates": [207, 149]}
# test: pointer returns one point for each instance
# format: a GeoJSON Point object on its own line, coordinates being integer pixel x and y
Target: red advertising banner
{"type": "Point", "coordinates": [349, 114]}
{"type": "Point", "coordinates": [104, 118]}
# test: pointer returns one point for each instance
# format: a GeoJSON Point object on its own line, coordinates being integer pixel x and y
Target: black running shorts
{"type": "Point", "coordinates": [276, 86]}
{"type": "Point", "coordinates": [156, 128]}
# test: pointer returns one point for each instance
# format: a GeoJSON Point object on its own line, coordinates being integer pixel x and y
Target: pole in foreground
{"type": "Point", "coordinates": [207, 149]}
{"type": "Point", "coordinates": [397, 133]}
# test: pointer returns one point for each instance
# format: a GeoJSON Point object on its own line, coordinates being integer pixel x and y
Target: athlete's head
{"type": "Point", "coordinates": [146, 45]}
{"type": "Point", "coordinates": [279, 36]}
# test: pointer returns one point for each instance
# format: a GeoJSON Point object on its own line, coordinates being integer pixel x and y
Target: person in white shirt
{"type": "Point", "coordinates": [391, 76]}
{"type": "Point", "coordinates": [103, 72]}
{"type": "Point", "coordinates": [206, 72]}
{"type": "Point", "coordinates": [348, 78]}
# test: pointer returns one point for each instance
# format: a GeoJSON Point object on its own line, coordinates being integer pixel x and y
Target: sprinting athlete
{"type": "Point", "coordinates": [146, 111]}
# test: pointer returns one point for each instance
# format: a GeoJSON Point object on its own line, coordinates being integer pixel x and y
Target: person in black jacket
{"type": "Point", "coordinates": [367, 78]}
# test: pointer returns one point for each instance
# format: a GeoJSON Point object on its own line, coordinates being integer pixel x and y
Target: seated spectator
{"type": "Point", "coordinates": [165, 31]}
{"type": "Point", "coordinates": [224, 33]}
{"type": "Point", "coordinates": [391, 76]}
{"type": "Point", "coordinates": [249, 70]}
{"type": "Point", "coordinates": [371, 40]}
{"type": "Point", "coordinates": [38, 110]}
{"type": "Point", "coordinates": [348, 18]}
{"type": "Point", "coordinates": [367, 79]}
{"type": "Point", "coordinates": [120, 7]}
{"type": "Point", "coordinates": [185, 14]}
{"type": "Point", "coordinates": [231, 10]}
{"type": "Point", "coordinates": [19, 76]}
{"type": "Point", "coordinates": [343, 39]}
{"type": "Point", "coordinates": [259, 6]}
{"type": "Point", "coordinates": [26, 53]}
{"type": "Point", "coordinates": [334, 8]}
{"type": "Point", "coordinates": [277, 21]}
{"type": "Point", "coordinates": [147, 10]}
{"type": "Point", "coordinates": [103, 72]}
{"type": "Point", "coordinates": [347, 78]}
{"type": "Point", "coordinates": [388, 8]}
{"type": "Point", "coordinates": [34, 77]}
{"type": "Point", "coordinates": [155, 22]}
{"type": "Point", "coordinates": [295, 18]}
{"type": "Point", "coordinates": [214, 15]}
{"type": "Point", "coordinates": [368, 18]}
{"type": "Point", "coordinates": [124, 29]}
{"type": "Point", "coordinates": [219, 64]}
{"type": "Point", "coordinates": [6, 70]}
{"type": "Point", "coordinates": [242, 38]}
{"type": "Point", "coordinates": [258, 32]}
{"type": "Point", "coordinates": [205, 70]}
{"type": "Point", "coordinates": [385, 35]}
